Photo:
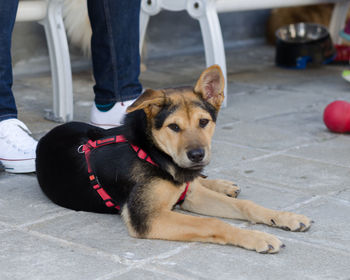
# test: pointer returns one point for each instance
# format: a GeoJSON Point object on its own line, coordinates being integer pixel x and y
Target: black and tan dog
{"type": "Point", "coordinates": [172, 129]}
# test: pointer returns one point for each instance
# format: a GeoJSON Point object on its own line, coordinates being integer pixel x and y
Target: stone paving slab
{"type": "Point", "coordinates": [147, 275]}
{"type": "Point", "coordinates": [22, 202]}
{"type": "Point", "coordinates": [3, 228]}
{"type": "Point", "coordinates": [326, 84]}
{"type": "Point", "coordinates": [261, 103]}
{"type": "Point", "coordinates": [271, 195]}
{"type": "Point", "coordinates": [270, 140]}
{"type": "Point", "coordinates": [302, 124]}
{"type": "Point", "coordinates": [297, 261]}
{"type": "Point", "coordinates": [27, 256]}
{"type": "Point", "coordinates": [105, 233]}
{"type": "Point", "coordinates": [311, 177]}
{"type": "Point", "coordinates": [330, 229]}
{"type": "Point", "coordinates": [343, 194]}
{"type": "Point", "coordinates": [333, 151]}
{"type": "Point", "coordinates": [262, 136]}
{"type": "Point", "coordinates": [237, 154]}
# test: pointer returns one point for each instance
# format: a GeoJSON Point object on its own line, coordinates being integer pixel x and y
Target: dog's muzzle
{"type": "Point", "coordinates": [196, 155]}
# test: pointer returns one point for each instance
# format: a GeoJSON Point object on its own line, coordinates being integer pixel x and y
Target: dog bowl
{"type": "Point", "coordinates": [303, 43]}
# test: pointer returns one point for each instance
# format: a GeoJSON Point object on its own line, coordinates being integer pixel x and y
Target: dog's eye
{"type": "Point", "coordinates": [203, 122]}
{"type": "Point", "coordinates": [174, 127]}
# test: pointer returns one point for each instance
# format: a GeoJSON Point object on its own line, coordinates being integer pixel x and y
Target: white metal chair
{"type": "Point", "coordinates": [206, 12]}
{"type": "Point", "coordinates": [49, 14]}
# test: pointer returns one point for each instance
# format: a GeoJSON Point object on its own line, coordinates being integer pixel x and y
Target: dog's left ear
{"type": "Point", "coordinates": [211, 85]}
{"type": "Point", "coordinates": [150, 101]}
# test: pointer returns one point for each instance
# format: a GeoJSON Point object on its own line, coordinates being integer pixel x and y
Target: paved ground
{"type": "Point", "coordinates": [270, 140]}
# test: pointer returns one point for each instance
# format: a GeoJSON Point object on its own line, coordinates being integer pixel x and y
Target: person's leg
{"type": "Point", "coordinates": [115, 57]}
{"type": "Point", "coordinates": [17, 152]}
{"type": "Point", "coordinates": [8, 12]}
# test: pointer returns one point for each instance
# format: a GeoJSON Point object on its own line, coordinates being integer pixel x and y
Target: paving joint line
{"type": "Point", "coordinates": [318, 161]}
{"type": "Point", "coordinates": [114, 274]}
{"type": "Point", "coordinates": [303, 203]}
{"type": "Point", "coordinates": [61, 213]}
{"type": "Point", "coordinates": [218, 141]}
{"type": "Point", "coordinates": [169, 273]}
{"type": "Point", "coordinates": [316, 245]}
{"type": "Point", "coordinates": [268, 154]}
{"type": "Point", "coordinates": [277, 186]}
{"type": "Point", "coordinates": [280, 152]}
{"type": "Point", "coordinates": [97, 252]}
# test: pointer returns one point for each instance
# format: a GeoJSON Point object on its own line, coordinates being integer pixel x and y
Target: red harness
{"type": "Point", "coordinates": [91, 145]}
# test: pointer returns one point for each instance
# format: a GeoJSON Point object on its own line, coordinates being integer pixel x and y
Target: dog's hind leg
{"type": "Point", "coordinates": [221, 186]}
{"type": "Point", "coordinates": [204, 201]}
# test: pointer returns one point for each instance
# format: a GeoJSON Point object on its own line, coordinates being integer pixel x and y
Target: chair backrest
{"type": "Point", "coordinates": [223, 6]}
{"type": "Point", "coordinates": [31, 10]}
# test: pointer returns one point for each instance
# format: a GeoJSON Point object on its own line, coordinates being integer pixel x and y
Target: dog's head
{"type": "Point", "coordinates": [181, 121]}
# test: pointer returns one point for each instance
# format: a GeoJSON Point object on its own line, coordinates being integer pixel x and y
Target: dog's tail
{"type": "Point", "coordinates": [77, 23]}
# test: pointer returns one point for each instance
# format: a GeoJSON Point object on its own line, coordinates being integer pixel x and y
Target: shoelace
{"type": "Point", "coordinates": [17, 134]}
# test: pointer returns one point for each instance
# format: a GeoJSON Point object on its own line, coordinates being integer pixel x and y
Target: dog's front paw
{"type": "Point", "coordinates": [221, 186]}
{"type": "Point", "coordinates": [227, 187]}
{"type": "Point", "coordinates": [261, 242]}
{"type": "Point", "coordinates": [291, 221]}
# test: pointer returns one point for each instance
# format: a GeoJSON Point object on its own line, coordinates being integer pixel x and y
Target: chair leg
{"type": "Point", "coordinates": [60, 63]}
{"type": "Point", "coordinates": [205, 12]}
{"type": "Point", "coordinates": [338, 19]}
{"type": "Point", "coordinates": [202, 10]}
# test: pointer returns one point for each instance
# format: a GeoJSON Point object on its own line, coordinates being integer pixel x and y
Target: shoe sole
{"type": "Point", "coordinates": [104, 126]}
{"type": "Point", "coordinates": [19, 166]}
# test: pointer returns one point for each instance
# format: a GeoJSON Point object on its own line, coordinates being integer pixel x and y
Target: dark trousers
{"type": "Point", "coordinates": [8, 10]}
{"type": "Point", "coordinates": [114, 47]}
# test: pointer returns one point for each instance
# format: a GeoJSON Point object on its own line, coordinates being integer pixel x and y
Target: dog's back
{"type": "Point", "coordinates": [62, 170]}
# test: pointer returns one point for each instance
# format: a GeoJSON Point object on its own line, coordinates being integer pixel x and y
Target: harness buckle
{"type": "Point", "coordinates": [81, 149]}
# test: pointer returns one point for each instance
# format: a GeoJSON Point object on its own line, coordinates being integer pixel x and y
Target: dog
{"type": "Point", "coordinates": [163, 146]}
{"type": "Point", "coordinates": [77, 24]}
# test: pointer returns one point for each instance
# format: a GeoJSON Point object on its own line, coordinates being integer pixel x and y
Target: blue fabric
{"type": "Point", "coordinates": [115, 49]}
{"type": "Point", "coordinates": [8, 10]}
{"type": "Point", "coordinates": [105, 107]}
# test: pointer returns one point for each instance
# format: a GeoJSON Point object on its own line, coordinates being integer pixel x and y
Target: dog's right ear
{"type": "Point", "coordinates": [150, 101]}
{"type": "Point", "coordinates": [211, 85]}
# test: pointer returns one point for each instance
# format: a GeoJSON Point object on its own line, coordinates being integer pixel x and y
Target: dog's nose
{"type": "Point", "coordinates": [196, 155]}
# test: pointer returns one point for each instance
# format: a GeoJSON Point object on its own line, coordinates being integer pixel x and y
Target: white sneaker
{"type": "Point", "coordinates": [111, 118]}
{"type": "Point", "coordinates": [17, 147]}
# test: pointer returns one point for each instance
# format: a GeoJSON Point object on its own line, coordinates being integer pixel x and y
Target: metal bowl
{"type": "Point", "coordinates": [303, 43]}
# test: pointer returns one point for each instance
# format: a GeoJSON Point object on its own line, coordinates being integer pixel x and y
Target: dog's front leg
{"type": "Point", "coordinates": [221, 186]}
{"type": "Point", "coordinates": [205, 201]}
{"type": "Point", "coordinates": [148, 214]}
{"type": "Point", "coordinates": [171, 225]}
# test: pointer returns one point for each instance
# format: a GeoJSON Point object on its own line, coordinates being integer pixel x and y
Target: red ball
{"type": "Point", "coordinates": [336, 116]}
